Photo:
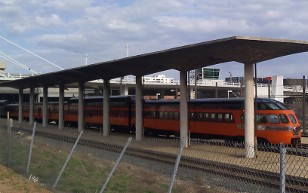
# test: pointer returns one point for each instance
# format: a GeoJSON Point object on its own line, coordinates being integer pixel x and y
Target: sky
{"type": "Point", "coordinates": [68, 32]}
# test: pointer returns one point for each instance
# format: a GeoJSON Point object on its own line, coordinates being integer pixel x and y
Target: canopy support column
{"type": "Point", "coordinates": [31, 107]}
{"type": "Point", "coordinates": [45, 106]}
{"type": "Point", "coordinates": [183, 108]}
{"type": "Point", "coordinates": [20, 103]}
{"type": "Point", "coordinates": [249, 111]}
{"type": "Point", "coordinates": [139, 118]}
{"type": "Point", "coordinates": [106, 108]}
{"type": "Point", "coordinates": [80, 106]}
{"type": "Point", "coordinates": [61, 107]}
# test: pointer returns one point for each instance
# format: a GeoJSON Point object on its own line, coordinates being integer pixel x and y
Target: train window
{"type": "Point", "coordinates": [153, 114]}
{"type": "Point", "coordinates": [219, 117]}
{"type": "Point", "coordinates": [200, 116]}
{"type": "Point", "coordinates": [284, 118]}
{"type": "Point", "coordinates": [147, 114]}
{"type": "Point", "coordinates": [228, 117]}
{"type": "Point", "coordinates": [272, 118]}
{"type": "Point", "coordinates": [194, 116]}
{"type": "Point", "coordinates": [260, 118]}
{"type": "Point", "coordinates": [176, 115]}
{"type": "Point", "coordinates": [161, 115]}
{"type": "Point", "coordinates": [171, 115]}
{"type": "Point", "coordinates": [206, 116]}
{"type": "Point", "coordinates": [212, 116]}
{"type": "Point", "coordinates": [293, 120]}
{"type": "Point", "coordinates": [191, 116]}
{"type": "Point", "coordinates": [166, 116]}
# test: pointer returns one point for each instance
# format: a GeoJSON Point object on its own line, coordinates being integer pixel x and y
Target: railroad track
{"type": "Point", "coordinates": [264, 178]}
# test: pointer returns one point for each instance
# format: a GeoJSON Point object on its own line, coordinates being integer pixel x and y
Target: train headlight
{"type": "Point", "coordinates": [301, 129]}
{"type": "Point", "coordinates": [295, 130]}
{"type": "Point", "coordinates": [261, 127]}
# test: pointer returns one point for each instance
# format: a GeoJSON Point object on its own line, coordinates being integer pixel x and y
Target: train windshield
{"type": "Point", "coordinates": [292, 118]}
{"type": "Point", "coordinates": [283, 118]}
{"type": "Point", "coordinates": [272, 118]}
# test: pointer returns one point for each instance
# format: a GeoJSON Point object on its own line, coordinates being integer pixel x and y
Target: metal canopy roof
{"type": "Point", "coordinates": [238, 48]}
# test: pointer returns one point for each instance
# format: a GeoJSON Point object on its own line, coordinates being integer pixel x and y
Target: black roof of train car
{"type": "Point", "coordinates": [230, 103]}
{"type": "Point", "coordinates": [88, 99]}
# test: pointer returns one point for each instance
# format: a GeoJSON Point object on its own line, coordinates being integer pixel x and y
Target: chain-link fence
{"type": "Point", "coordinates": [68, 161]}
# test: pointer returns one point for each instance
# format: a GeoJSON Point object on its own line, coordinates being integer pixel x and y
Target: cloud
{"type": "Point", "coordinates": [53, 20]}
{"type": "Point", "coordinates": [60, 28]}
{"type": "Point", "coordinates": [70, 42]}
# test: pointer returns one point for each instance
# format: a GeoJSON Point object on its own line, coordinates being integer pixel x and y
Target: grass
{"type": "Point", "coordinates": [85, 172]}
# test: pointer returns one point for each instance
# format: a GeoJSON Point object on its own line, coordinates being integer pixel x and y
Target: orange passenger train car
{"type": "Point", "coordinates": [207, 118]}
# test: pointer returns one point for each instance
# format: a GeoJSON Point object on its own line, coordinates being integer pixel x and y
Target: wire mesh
{"type": "Point", "coordinates": [147, 165]}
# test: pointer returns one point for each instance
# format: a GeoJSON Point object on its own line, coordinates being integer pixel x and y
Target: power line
{"type": "Point", "coordinates": [31, 52]}
{"type": "Point", "coordinates": [6, 57]}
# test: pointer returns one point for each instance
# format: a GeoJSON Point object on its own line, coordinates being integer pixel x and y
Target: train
{"type": "Point", "coordinates": [219, 118]}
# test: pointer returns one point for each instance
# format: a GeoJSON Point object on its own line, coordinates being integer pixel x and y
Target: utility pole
{"type": "Point", "coordinates": [86, 58]}
{"type": "Point", "coordinates": [127, 49]}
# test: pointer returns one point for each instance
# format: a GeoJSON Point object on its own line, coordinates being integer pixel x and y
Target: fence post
{"type": "Point", "coordinates": [177, 163]}
{"type": "Point", "coordinates": [68, 158]}
{"type": "Point", "coordinates": [116, 164]}
{"type": "Point", "coordinates": [282, 168]}
{"type": "Point", "coordinates": [9, 134]}
{"type": "Point", "coordinates": [31, 146]}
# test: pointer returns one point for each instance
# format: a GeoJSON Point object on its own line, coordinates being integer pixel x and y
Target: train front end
{"type": "Point", "coordinates": [276, 124]}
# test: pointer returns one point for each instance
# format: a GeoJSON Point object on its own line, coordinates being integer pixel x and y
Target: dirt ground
{"type": "Point", "coordinates": [11, 182]}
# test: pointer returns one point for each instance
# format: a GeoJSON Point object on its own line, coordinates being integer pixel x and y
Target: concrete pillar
{"type": "Point", "coordinates": [45, 106]}
{"type": "Point", "coordinates": [20, 103]}
{"type": "Point", "coordinates": [183, 108]}
{"type": "Point", "coordinates": [80, 106]}
{"type": "Point", "coordinates": [31, 107]}
{"type": "Point", "coordinates": [139, 118]}
{"type": "Point", "coordinates": [249, 111]}
{"type": "Point", "coordinates": [106, 109]}
{"type": "Point", "coordinates": [61, 107]}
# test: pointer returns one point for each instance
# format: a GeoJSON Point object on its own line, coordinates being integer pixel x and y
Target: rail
{"type": "Point", "coordinates": [234, 166]}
